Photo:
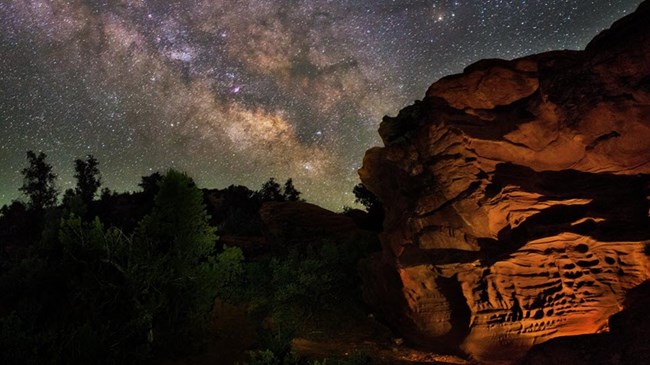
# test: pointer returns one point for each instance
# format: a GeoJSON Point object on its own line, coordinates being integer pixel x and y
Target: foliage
{"type": "Point", "coordinates": [101, 288]}
{"type": "Point", "coordinates": [15, 208]}
{"type": "Point", "coordinates": [178, 224]}
{"type": "Point", "coordinates": [290, 193]}
{"type": "Point", "coordinates": [80, 292]}
{"type": "Point", "coordinates": [75, 307]}
{"type": "Point", "coordinates": [73, 203]}
{"type": "Point", "coordinates": [39, 182]}
{"type": "Point", "coordinates": [236, 211]}
{"type": "Point", "coordinates": [15, 341]}
{"type": "Point", "coordinates": [18, 227]}
{"type": "Point", "coordinates": [150, 183]}
{"type": "Point", "coordinates": [373, 206]}
{"type": "Point", "coordinates": [292, 285]}
{"type": "Point", "coordinates": [272, 191]}
{"type": "Point", "coordinates": [263, 357]}
{"type": "Point", "coordinates": [365, 197]}
{"type": "Point", "coordinates": [106, 194]}
{"type": "Point", "coordinates": [230, 274]}
{"type": "Point", "coordinates": [99, 296]}
{"type": "Point", "coordinates": [88, 178]}
{"type": "Point", "coordinates": [319, 278]}
{"type": "Point", "coordinates": [284, 290]}
{"type": "Point", "coordinates": [172, 267]}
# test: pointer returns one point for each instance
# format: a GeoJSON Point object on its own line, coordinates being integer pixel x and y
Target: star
{"type": "Point", "coordinates": [234, 92]}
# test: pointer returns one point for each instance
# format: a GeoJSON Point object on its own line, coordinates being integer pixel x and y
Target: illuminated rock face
{"type": "Point", "coordinates": [517, 198]}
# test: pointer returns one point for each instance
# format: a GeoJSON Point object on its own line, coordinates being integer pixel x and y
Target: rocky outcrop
{"type": "Point", "coordinates": [517, 198]}
{"type": "Point", "coordinates": [626, 342]}
{"type": "Point", "coordinates": [298, 224]}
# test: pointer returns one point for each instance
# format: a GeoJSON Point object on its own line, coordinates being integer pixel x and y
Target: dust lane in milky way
{"type": "Point", "coordinates": [234, 92]}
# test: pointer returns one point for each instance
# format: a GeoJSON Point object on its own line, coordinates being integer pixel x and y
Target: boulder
{"type": "Point", "coordinates": [296, 224]}
{"type": "Point", "coordinates": [517, 198]}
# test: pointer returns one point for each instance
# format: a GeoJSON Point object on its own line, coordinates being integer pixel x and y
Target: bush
{"type": "Point", "coordinates": [98, 296]}
{"type": "Point", "coordinates": [76, 307]}
{"type": "Point", "coordinates": [230, 273]}
{"type": "Point", "coordinates": [263, 357]}
{"type": "Point", "coordinates": [318, 278]}
{"type": "Point", "coordinates": [282, 292]}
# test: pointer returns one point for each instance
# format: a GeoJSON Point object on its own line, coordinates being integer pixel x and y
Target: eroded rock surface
{"type": "Point", "coordinates": [517, 198]}
{"type": "Point", "coordinates": [626, 342]}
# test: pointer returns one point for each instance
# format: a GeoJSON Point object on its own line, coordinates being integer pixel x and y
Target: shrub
{"type": "Point", "coordinates": [99, 296]}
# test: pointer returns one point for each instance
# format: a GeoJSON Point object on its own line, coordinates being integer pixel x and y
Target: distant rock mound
{"type": "Point", "coordinates": [301, 224]}
{"type": "Point", "coordinates": [517, 198]}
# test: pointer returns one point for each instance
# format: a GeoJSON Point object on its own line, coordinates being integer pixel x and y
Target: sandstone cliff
{"type": "Point", "coordinates": [517, 198]}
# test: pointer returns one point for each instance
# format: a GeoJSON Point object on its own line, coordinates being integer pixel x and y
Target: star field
{"type": "Point", "coordinates": [234, 92]}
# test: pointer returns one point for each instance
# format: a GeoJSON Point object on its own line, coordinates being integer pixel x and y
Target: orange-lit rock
{"type": "Point", "coordinates": [625, 343]}
{"type": "Point", "coordinates": [517, 198]}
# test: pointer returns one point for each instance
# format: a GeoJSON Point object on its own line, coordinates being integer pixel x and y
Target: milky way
{"type": "Point", "coordinates": [234, 92]}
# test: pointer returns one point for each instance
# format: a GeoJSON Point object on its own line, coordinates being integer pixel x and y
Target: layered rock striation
{"type": "Point", "coordinates": [517, 198]}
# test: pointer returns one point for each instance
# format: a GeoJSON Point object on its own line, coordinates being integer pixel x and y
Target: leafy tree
{"type": "Point", "coordinates": [16, 227]}
{"type": "Point", "coordinates": [263, 357]}
{"type": "Point", "coordinates": [15, 208]}
{"type": "Point", "coordinates": [107, 298]}
{"type": "Point", "coordinates": [365, 197]}
{"type": "Point", "coordinates": [106, 194]}
{"type": "Point", "coordinates": [73, 203]}
{"type": "Point", "coordinates": [235, 210]}
{"type": "Point", "coordinates": [149, 184]}
{"type": "Point", "coordinates": [271, 191]}
{"type": "Point", "coordinates": [100, 290]}
{"type": "Point", "coordinates": [290, 192]}
{"type": "Point", "coordinates": [230, 273]}
{"type": "Point", "coordinates": [373, 206]}
{"type": "Point", "coordinates": [172, 250]}
{"type": "Point", "coordinates": [88, 178]}
{"type": "Point", "coordinates": [76, 306]}
{"type": "Point", "coordinates": [39, 182]}
{"type": "Point", "coordinates": [318, 278]}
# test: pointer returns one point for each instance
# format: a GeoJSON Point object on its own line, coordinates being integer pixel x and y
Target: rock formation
{"type": "Point", "coordinates": [260, 227]}
{"type": "Point", "coordinates": [292, 224]}
{"type": "Point", "coordinates": [517, 198]}
{"type": "Point", "coordinates": [625, 343]}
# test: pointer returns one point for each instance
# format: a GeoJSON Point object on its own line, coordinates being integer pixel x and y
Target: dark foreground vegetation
{"type": "Point", "coordinates": [140, 277]}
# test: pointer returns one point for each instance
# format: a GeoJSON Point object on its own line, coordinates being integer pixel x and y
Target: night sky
{"type": "Point", "coordinates": [234, 92]}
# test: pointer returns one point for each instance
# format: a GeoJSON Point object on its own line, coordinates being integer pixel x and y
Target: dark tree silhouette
{"type": "Point", "coordinates": [149, 184]}
{"type": "Point", "coordinates": [171, 249]}
{"type": "Point", "coordinates": [73, 203]}
{"type": "Point", "coordinates": [105, 194]}
{"type": "Point", "coordinates": [365, 197]}
{"type": "Point", "coordinates": [16, 227]}
{"type": "Point", "coordinates": [271, 191]}
{"type": "Point", "coordinates": [373, 206]}
{"type": "Point", "coordinates": [235, 210]}
{"type": "Point", "coordinates": [39, 182]}
{"type": "Point", "coordinates": [179, 221]}
{"type": "Point", "coordinates": [290, 192]}
{"type": "Point", "coordinates": [88, 178]}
